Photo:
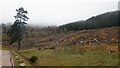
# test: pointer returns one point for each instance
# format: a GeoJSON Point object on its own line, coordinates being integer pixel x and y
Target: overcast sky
{"type": "Point", "coordinates": [55, 12]}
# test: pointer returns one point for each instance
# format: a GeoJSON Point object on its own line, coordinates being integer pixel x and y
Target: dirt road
{"type": "Point", "coordinates": [5, 58]}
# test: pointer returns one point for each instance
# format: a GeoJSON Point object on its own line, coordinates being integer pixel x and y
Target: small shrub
{"type": "Point", "coordinates": [52, 48]}
{"type": "Point", "coordinates": [39, 48]}
{"type": "Point", "coordinates": [33, 59]}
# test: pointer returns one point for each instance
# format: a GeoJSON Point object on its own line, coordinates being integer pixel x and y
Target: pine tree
{"type": "Point", "coordinates": [16, 31]}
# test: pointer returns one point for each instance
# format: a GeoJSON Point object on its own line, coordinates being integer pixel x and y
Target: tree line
{"type": "Point", "coordinates": [100, 21]}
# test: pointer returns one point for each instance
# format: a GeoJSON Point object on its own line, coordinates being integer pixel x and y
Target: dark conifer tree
{"type": "Point", "coordinates": [16, 31]}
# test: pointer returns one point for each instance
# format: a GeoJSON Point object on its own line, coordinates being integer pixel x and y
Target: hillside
{"type": "Point", "coordinates": [96, 47]}
{"type": "Point", "coordinates": [100, 21]}
{"type": "Point", "coordinates": [88, 37]}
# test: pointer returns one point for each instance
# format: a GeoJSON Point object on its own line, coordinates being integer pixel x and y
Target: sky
{"type": "Point", "coordinates": [55, 12]}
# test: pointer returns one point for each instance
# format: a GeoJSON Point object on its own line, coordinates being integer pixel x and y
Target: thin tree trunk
{"type": "Point", "coordinates": [19, 44]}
{"type": "Point", "coordinates": [19, 36]}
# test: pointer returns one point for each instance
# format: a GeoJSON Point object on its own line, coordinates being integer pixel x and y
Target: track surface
{"type": "Point", "coordinates": [5, 58]}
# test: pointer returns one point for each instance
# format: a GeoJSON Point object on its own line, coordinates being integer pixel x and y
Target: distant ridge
{"type": "Point", "coordinates": [108, 19]}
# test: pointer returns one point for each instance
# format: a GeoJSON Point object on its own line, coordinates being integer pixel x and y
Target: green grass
{"type": "Point", "coordinates": [16, 63]}
{"type": "Point", "coordinates": [89, 58]}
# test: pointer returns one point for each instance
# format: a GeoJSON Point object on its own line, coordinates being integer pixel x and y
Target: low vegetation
{"type": "Point", "coordinates": [33, 59]}
{"type": "Point", "coordinates": [100, 48]}
{"type": "Point", "coordinates": [95, 55]}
